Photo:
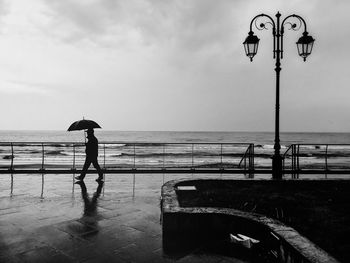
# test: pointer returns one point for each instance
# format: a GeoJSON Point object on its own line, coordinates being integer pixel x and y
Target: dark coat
{"type": "Point", "coordinates": [92, 147]}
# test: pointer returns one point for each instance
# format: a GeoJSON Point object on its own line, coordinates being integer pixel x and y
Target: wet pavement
{"type": "Point", "coordinates": [50, 219]}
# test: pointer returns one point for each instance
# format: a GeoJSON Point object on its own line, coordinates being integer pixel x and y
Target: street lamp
{"type": "Point", "coordinates": [304, 46]}
{"type": "Point", "coordinates": [251, 44]}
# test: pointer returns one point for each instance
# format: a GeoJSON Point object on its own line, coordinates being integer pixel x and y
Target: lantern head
{"type": "Point", "coordinates": [251, 44]}
{"type": "Point", "coordinates": [304, 45]}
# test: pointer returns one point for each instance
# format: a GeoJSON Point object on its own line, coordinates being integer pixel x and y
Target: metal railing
{"type": "Point", "coordinates": [118, 157]}
{"type": "Point", "coordinates": [248, 155]}
{"type": "Point", "coordinates": [317, 158]}
{"type": "Point", "coordinates": [140, 157]}
{"type": "Point", "coordinates": [294, 149]}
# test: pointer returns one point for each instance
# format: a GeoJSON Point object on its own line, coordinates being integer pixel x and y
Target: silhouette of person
{"type": "Point", "coordinates": [90, 205]}
{"type": "Point", "coordinates": [91, 151]}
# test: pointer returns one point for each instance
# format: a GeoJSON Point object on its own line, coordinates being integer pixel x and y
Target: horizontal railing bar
{"type": "Point", "coordinates": [127, 143]}
{"type": "Point", "coordinates": [18, 143]}
{"type": "Point", "coordinates": [136, 170]}
{"type": "Point", "coordinates": [321, 144]}
{"type": "Point", "coordinates": [170, 170]}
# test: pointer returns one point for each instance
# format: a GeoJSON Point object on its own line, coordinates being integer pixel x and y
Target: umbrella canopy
{"type": "Point", "coordinates": [83, 125]}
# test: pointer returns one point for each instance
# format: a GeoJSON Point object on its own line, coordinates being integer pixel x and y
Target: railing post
{"type": "Point", "coordinates": [192, 166]}
{"type": "Point", "coordinates": [293, 161]}
{"type": "Point", "coordinates": [73, 167]}
{"type": "Point", "coordinates": [43, 156]}
{"type": "Point", "coordinates": [104, 156]}
{"type": "Point", "coordinates": [163, 156]}
{"type": "Point", "coordinates": [284, 159]}
{"type": "Point", "coordinates": [221, 164]}
{"type": "Point", "coordinates": [297, 160]}
{"type": "Point", "coordinates": [42, 169]}
{"type": "Point", "coordinates": [73, 156]}
{"type": "Point", "coordinates": [12, 156]}
{"type": "Point", "coordinates": [251, 159]}
{"type": "Point", "coordinates": [326, 160]}
{"type": "Point", "coordinates": [134, 156]}
{"type": "Point", "coordinates": [295, 154]}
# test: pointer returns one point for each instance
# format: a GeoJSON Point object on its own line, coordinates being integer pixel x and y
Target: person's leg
{"type": "Point", "coordinates": [85, 168]}
{"type": "Point", "coordinates": [98, 168]}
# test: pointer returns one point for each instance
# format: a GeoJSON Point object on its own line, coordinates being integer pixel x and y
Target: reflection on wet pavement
{"type": "Point", "coordinates": [48, 218]}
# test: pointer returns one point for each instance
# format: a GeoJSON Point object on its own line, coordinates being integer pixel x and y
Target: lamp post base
{"type": "Point", "coordinates": [277, 167]}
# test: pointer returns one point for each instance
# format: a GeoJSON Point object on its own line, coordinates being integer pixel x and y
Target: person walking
{"type": "Point", "coordinates": [91, 151]}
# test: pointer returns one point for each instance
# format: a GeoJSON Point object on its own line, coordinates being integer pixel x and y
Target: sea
{"type": "Point", "coordinates": [262, 138]}
{"type": "Point", "coordinates": [169, 148]}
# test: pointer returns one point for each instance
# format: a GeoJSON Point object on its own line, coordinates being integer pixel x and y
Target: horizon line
{"type": "Point", "coordinates": [185, 131]}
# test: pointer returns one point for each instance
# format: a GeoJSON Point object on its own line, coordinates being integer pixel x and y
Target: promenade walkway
{"type": "Point", "coordinates": [51, 222]}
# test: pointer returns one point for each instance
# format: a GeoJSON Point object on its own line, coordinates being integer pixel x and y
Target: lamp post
{"type": "Point", "coordinates": [304, 45]}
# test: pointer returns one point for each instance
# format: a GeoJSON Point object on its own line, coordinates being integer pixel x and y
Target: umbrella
{"type": "Point", "coordinates": [83, 125]}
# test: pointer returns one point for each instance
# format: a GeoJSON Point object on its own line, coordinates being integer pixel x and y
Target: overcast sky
{"type": "Point", "coordinates": [169, 65]}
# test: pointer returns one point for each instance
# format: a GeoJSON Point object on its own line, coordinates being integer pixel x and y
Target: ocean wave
{"type": "Point", "coordinates": [188, 154]}
{"type": "Point", "coordinates": [143, 144]}
{"type": "Point", "coordinates": [323, 155]}
{"type": "Point", "coordinates": [269, 146]}
{"type": "Point", "coordinates": [55, 152]}
{"type": "Point", "coordinates": [325, 147]}
{"type": "Point", "coordinates": [72, 154]}
{"type": "Point", "coordinates": [112, 146]}
{"type": "Point", "coordinates": [113, 155]}
{"type": "Point", "coordinates": [59, 145]}
{"type": "Point", "coordinates": [34, 152]}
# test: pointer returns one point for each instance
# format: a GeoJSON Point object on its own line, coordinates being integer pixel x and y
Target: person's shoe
{"type": "Point", "coordinates": [79, 178]}
{"type": "Point", "coordinates": [100, 179]}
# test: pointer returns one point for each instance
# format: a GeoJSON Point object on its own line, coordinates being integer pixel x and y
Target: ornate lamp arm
{"type": "Point", "coordinates": [262, 26]}
{"type": "Point", "coordinates": [293, 26]}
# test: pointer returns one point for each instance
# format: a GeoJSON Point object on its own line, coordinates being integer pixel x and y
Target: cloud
{"type": "Point", "coordinates": [4, 11]}
{"type": "Point", "coordinates": [144, 63]}
{"type": "Point", "coordinates": [4, 7]}
{"type": "Point", "coordinates": [19, 87]}
{"type": "Point", "coordinates": [191, 25]}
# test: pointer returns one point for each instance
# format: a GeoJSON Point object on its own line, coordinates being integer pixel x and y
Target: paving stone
{"type": "Point", "coordinates": [133, 253]}
{"type": "Point", "coordinates": [105, 257]}
{"type": "Point", "coordinates": [151, 244]}
{"type": "Point", "coordinates": [58, 239]}
{"type": "Point", "coordinates": [44, 254]}
{"type": "Point", "coordinates": [51, 225]}
{"type": "Point", "coordinates": [152, 229]}
{"type": "Point", "coordinates": [193, 258]}
{"type": "Point", "coordinates": [22, 246]}
{"type": "Point", "coordinates": [76, 228]}
{"type": "Point", "coordinates": [84, 251]}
